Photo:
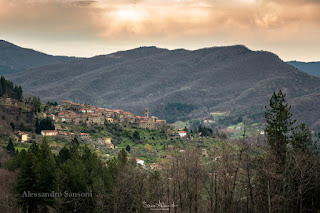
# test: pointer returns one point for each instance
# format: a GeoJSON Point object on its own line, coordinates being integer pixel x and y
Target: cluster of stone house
{"type": "Point", "coordinates": [57, 132]}
{"type": "Point", "coordinates": [150, 123]}
{"type": "Point", "coordinates": [43, 115]}
{"type": "Point", "coordinates": [106, 142]}
{"type": "Point", "coordinates": [89, 115]}
{"type": "Point", "coordinates": [77, 114]}
{"type": "Point", "coordinates": [83, 136]}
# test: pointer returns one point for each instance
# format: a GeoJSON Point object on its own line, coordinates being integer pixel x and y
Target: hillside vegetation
{"type": "Point", "coordinates": [180, 84]}
{"type": "Point", "coordinates": [14, 59]}
{"type": "Point", "coordinates": [242, 175]}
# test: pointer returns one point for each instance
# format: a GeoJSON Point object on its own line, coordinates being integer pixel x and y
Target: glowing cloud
{"type": "Point", "coordinates": [273, 25]}
{"type": "Point", "coordinates": [129, 13]}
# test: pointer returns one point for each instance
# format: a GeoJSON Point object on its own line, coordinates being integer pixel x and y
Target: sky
{"type": "Point", "coordinates": [288, 28]}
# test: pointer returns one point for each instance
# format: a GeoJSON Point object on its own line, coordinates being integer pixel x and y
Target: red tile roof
{"type": "Point", "coordinates": [49, 131]}
{"type": "Point", "coordinates": [84, 133]}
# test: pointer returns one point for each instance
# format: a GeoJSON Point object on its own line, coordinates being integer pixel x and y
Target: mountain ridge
{"type": "Point", "coordinates": [14, 59]}
{"type": "Point", "coordinates": [312, 68]}
{"type": "Point", "coordinates": [231, 78]}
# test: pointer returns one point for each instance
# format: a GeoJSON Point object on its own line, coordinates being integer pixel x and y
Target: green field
{"type": "Point", "coordinates": [180, 124]}
{"type": "Point", "coordinates": [217, 115]}
{"type": "Point", "coordinates": [251, 130]}
{"type": "Point", "coordinates": [20, 148]}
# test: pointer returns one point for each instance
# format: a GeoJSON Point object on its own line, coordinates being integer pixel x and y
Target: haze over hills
{"type": "Point", "coordinates": [15, 59]}
{"type": "Point", "coordinates": [312, 68]}
{"type": "Point", "coordinates": [179, 84]}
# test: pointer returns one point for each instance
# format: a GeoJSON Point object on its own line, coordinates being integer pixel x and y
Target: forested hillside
{"type": "Point", "coordinates": [14, 59]}
{"type": "Point", "coordinates": [15, 111]}
{"type": "Point", "coordinates": [231, 176]}
{"type": "Point", "coordinates": [192, 84]}
{"type": "Point", "coordinates": [8, 89]}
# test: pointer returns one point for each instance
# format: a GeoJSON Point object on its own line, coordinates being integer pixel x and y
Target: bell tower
{"type": "Point", "coordinates": [146, 113]}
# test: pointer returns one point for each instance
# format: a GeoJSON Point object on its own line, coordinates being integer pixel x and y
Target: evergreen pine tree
{"type": "Point", "coordinates": [26, 183]}
{"type": "Point", "coordinates": [279, 122]}
{"type": "Point", "coordinates": [122, 157]}
{"type": "Point", "coordinates": [12, 126]}
{"type": "Point", "coordinates": [302, 138]}
{"type": "Point", "coordinates": [34, 149]}
{"type": "Point", "coordinates": [21, 127]}
{"type": "Point", "coordinates": [10, 90]}
{"type": "Point", "coordinates": [128, 148]}
{"type": "Point", "coordinates": [10, 147]}
{"type": "Point", "coordinates": [45, 171]}
{"type": "Point", "coordinates": [136, 135]}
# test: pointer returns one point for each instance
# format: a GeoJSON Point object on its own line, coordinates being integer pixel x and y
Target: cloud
{"type": "Point", "coordinates": [85, 3]}
{"type": "Point", "coordinates": [252, 21]}
{"type": "Point", "coordinates": [150, 17]}
{"type": "Point", "coordinates": [49, 17]}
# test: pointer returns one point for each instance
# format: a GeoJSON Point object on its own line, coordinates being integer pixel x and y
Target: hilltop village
{"type": "Point", "coordinates": [84, 114]}
{"type": "Point", "coordinates": [75, 113]}
{"type": "Point", "coordinates": [28, 121]}
{"type": "Point", "coordinates": [106, 131]}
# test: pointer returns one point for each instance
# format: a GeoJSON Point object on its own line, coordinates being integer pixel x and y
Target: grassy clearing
{"type": "Point", "coordinates": [241, 125]}
{"type": "Point", "coordinates": [217, 115]}
{"type": "Point", "coordinates": [20, 148]}
{"type": "Point", "coordinates": [180, 124]}
{"type": "Point", "coordinates": [238, 130]}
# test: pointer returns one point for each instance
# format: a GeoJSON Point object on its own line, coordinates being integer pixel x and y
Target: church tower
{"type": "Point", "coordinates": [146, 113]}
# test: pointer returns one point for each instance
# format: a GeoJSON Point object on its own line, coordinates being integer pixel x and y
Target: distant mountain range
{"type": "Point", "coordinates": [312, 68]}
{"type": "Point", "coordinates": [15, 59]}
{"type": "Point", "coordinates": [179, 84]}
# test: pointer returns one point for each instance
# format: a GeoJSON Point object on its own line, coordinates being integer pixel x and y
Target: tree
{"type": "Point", "coordinates": [10, 147]}
{"type": "Point", "coordinates": [26, 181]}
{"type": "Point", "coordinates": [36, 104]}
{"type": "Point", "coordinates": [279, 122]}
{"type": "Point", "coordinates": [122, 157]}
{"type": "Point", "coordinates": [12, 126]}
{"type": "Point", "coordinates": [54, 144]}
{"type": "Point", "coordinates": [128, 148]}
{"type": "Point", "coordinates": [302, 138]}
{"type": "Point", "coordinates": [21, 127]}
{"type": "Point", "coordinates": [17, 92]}
{"type": "Point", "coordinates": [205, 131]}
{"type": "Point", "coordinates": [287, 178]}
{"type": "Point", "coordinates": [9, 89]}
{"type": "Point", "coordinates": [136, 135]}
{"type": "Point", "coordinates": [147, 147]}
{"type": "Point", "coordinates": [45, 168]}
{"type": "Point", "coordinates": [45, 124]}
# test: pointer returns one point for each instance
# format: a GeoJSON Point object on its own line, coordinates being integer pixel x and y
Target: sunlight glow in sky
{"type": "Point", "coordinates": [129, 14]}
{"type": "Point", "coordinates": [289, 28]}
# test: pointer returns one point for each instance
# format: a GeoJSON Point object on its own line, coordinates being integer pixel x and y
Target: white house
{"type": "Point", "coordinates": [49, 132]}
{"type": "Point", "coordinates": [182, 134]}
{"type": "Point", "coordinates": [140, 162]}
